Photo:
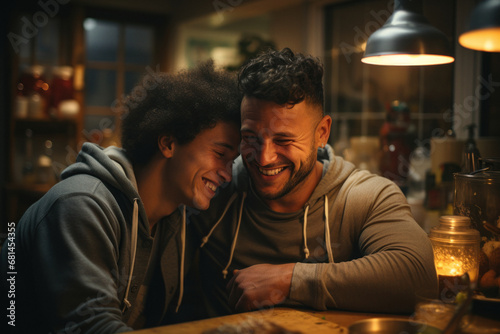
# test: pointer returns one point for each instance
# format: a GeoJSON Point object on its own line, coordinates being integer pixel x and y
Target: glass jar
{"type": "Point", "coordinates": [477, 196]}
{"type": "Point", "coordinates": [34, 88]}
{"type": "Point", "coordinates": [456, 247]}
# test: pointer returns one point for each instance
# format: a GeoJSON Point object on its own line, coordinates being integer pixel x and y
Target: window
{"type": "Point", "coordinates": [117, 56]}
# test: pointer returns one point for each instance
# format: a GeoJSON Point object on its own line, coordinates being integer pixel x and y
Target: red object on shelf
{"type": "Point", "coordinates": [34, 87]}
{"type": "Point", "coordinates": [62, 87]}
{"type": "Point", "coordinates": [395, 143]}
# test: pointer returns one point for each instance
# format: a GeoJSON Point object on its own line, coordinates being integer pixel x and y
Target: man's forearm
{"type": "Point", "coordinates": [259, 286]}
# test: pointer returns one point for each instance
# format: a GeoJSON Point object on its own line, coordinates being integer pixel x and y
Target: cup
{"type": "Point", "coordinates": [431, 310]}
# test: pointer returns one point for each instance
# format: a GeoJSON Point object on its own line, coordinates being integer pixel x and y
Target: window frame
{"type": "Point", "coordinates": [158, 61]}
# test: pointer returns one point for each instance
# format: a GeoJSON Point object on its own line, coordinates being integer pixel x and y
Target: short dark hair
{"type": "Point", "coordinates": [283, 77]}
{"type": "Point", "coordinates": [180, 105]}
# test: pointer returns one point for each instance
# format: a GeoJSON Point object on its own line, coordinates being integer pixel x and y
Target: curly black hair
{"type": "Point", "coordinates": [283, 77]}
{"type": "Point", "coordinates": [180, 105]}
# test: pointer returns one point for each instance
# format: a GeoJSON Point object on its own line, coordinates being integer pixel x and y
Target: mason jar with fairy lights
{"type": "Point", "coordinates": [456, 247]}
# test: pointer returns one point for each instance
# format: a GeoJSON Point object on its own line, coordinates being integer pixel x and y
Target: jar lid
{"type": "Point", "coordinates": [485, 176]}
{"type": "Point", "coordinates": [454, 229]}
{"type": "Point", "coordinates": [492, 163]}
{"type": "Point", "coordinates": [64, 72]}
{"type": "Point", "coordinates": [35, 70]}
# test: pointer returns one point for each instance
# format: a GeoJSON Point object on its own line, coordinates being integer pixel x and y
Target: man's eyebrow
{"type": "Point", "coordinates": [275, 134]}
{"type": "Point", "coordinates": [223, 144]}
{"type": "Point", "coordinates": [284, 134]}
{"type": "Point", "coordinates": [246, 130]}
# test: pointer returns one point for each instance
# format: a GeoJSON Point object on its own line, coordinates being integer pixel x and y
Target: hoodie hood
{"type": "Point", "coordinates": [335, 172]}
{"type": "Point", "coordinates": [111, 166]}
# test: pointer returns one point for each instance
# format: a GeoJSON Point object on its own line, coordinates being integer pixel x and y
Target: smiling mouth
{"type": "Point", "coordinates": [210, 185]}
{"type": "Point", "coordinates": [271, 172]}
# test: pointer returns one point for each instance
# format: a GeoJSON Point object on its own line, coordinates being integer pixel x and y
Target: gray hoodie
{"type": "Point", "coordinates": [82, 253]}
{"type": "Point", "coordinates": [355, 243]}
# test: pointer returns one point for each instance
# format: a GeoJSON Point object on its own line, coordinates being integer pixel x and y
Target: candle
{"type": "Point", "coordinates": [456, 252]}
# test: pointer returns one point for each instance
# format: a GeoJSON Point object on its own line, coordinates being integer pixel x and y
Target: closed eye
{"type": "Point", "coordinates": [250, 139]}
{"type": "Point", "coordinates": [283, 142]}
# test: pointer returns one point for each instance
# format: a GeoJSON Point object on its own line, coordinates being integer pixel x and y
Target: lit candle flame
{"type": "Point", "coordinates": [450, 268]}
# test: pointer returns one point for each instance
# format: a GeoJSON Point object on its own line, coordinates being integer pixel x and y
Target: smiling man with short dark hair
{"type": "Point", "coordinates": [299, 225]}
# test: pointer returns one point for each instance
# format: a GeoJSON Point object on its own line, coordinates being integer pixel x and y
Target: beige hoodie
{"type": "Point", "coordinates": [355, 242]}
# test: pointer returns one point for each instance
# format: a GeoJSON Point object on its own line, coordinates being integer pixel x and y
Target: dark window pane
{"type": "Point", "coordinates": [131, 80]}
{"type": "Point", "coordinates": [20, 42]}
{"type": "Point", "coordinates": [101, 38]}
{"type": "Point", "coordinates": [24, 51]}
{"type": "Point", "coordinates": [100, 87]}
{"type": "Point", "coordinates": [47, 46]}
{"type": "Point", "coordinates": [138, 44]}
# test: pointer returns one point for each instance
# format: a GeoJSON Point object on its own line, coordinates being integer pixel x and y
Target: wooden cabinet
{"type": "Point", "coordinates": [42, 141]}
{"type": "Point", "coordinates": [109, 51]}
{"type": "Point", "coordinates": [39, 150]}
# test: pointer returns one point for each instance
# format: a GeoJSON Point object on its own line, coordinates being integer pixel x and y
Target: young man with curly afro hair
{"type": "Point", "coordinates": [94, 254]}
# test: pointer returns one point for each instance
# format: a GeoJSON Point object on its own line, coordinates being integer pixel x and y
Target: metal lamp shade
{"type": "Point", "coordinates": [407, 39]}
{"type": "Point", "coordinates": [484, 28]}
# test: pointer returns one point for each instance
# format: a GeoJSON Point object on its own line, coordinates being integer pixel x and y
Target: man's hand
{"type": "Point", "coordinates": [259, 286]}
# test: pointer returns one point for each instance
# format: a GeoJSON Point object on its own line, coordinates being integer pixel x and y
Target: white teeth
{"type": "Point", "coordinates": [270, 172]}
{"type": "Point", "coordinates": [211, 186]}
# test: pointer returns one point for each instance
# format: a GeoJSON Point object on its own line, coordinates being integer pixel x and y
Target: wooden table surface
{"type": "Point", "coordinates": [302, 320]}
{"type": "Point", "coordinates": [305, 321]}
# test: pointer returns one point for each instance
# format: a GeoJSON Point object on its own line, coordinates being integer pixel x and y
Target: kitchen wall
{"type": "Point", "coordinates": [298, 24]}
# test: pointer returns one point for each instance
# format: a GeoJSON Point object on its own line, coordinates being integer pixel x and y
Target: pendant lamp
{"type": "Point", "coordinates": [484, 28]}
{"type": "Point", "coordinates": [407, 39]}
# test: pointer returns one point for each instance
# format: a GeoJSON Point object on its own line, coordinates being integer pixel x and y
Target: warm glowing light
{"type": "Point", "coordinates": [481, 39]}
{"type": "Point", "coordinates": [451, 268]}
{"type": "Point", "coordinates": [408, 60]}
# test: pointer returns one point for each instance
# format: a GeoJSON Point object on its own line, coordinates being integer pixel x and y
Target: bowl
{"type": "Point", "coordinates": [391, 326]}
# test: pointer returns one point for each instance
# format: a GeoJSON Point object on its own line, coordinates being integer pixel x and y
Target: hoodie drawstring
{"type": "Point", "coordinates": [304, 232]}
{"type": "Point", "coordinates": [327, 233]}
{"type": "Point", "coordinates": [205, 238]}
{"type": "Point", "coordinates": [233, 245]}
{"type": "Point", "coordinates": [328, 244]}
{"type": "Point", "coordinates": [135, 226]}
{"type": "Point", "coordinates": [183, 254]}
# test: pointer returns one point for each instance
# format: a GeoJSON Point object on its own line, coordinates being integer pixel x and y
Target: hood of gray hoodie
{"type": "Point", "coordinates": [111, 166]}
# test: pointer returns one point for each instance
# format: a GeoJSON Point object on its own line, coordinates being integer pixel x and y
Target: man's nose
{"type": "Point", "coordinates": [226, 172]}
{"type": "Point", "coordinates": [266, 153]}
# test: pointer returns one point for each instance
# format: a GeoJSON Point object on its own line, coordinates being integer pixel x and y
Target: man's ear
{"type": "Point", "coordinates": [166, 144]}
{"type": "Point", "coordinates": [323, 130]}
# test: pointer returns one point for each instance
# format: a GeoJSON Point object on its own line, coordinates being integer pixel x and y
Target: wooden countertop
{"type": "Point", "coordinates": [300, 320]}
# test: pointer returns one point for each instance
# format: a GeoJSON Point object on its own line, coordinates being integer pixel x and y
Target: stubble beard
{"type": "Point", "coordinates": [294, 181]}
